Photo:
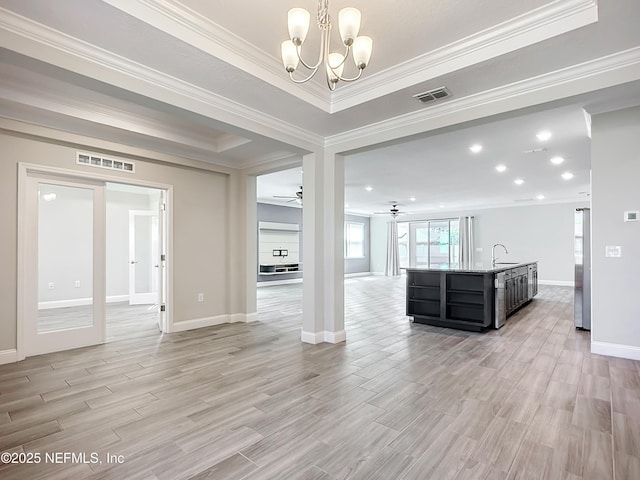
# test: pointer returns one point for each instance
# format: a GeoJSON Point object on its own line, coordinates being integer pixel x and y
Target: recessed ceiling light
{"type": "Point", "coordinates": [501, 168]}
{"type": "Point", "coordinates": [567, 175]}
{"type": "Point", "coordinates": [441, 205]}
{"type": "Point", "coordinates": [413, 199]}
{"type": "Point", "coordinates": [368, 188]}
{"type": "Point", "coordinates": [346, 205]}
{"type": "Point", "coordinates": [518, 181]}
{"type": "Point", "coordinates": [475, 148]}
{"type": "Point", "coordinates": [557, 160]}
{"type": "Point", "coordinates": [540, 196]}
{"type": "Point", "coordinates": [544, 135]}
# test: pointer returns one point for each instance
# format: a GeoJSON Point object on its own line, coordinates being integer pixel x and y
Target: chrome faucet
{"type": "Point", "coordinates": [493, 252]}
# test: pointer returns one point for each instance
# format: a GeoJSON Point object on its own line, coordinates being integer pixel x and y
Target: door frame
{"type": "Point", "coordinates": [24, 169]}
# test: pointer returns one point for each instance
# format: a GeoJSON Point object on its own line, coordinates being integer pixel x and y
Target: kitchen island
{"type": "Point", "coordinates": [475, 298]}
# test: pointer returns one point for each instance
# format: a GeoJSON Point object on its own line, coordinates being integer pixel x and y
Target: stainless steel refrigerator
{"type": "Point", "coordinates": [582, 254]}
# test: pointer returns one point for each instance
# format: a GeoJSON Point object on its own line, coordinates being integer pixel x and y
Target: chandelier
{"type": "Point", "coordinates": [348, 24]}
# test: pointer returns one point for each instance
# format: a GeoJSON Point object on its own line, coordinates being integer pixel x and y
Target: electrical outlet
{"type": "Point", "coordinates": [201, 297]}
{"type": "Point", "coordinates": [77, 283]}
{"type": "Point", "coordinates": [51, 285]}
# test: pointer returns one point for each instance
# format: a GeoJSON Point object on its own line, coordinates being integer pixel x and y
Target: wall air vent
{"type": "Point", "coordinates": [432, 95]}
{"type": "Point", "coordinates": [110, 163]}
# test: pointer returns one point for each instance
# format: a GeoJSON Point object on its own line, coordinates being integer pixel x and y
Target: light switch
{"type": "Point", "coordinates": [631, 216]}
{"type": "Point", "coordinates": [613, 251]}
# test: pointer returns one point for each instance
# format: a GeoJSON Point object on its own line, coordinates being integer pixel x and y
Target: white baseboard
{"type": "Point", "coordinates": [8, 356]}
{"type": "Point", "coordinates": [616, 350]}
{"type": "Point", "coordinates": [335, 337]}
{"type": "Point", "coordinates": [79, 302]}
{"type": "Point", "coordinates": [358, 274]}
{"type": "Point", "coordinates": [312, 337]}
{"type": "Point", "coordinates": [377, 274]}
{"type": "Point", "coordinates": [117, 298]}
{"type": "Point", "coordinates": [320, 337]}
{"type": "Point", "coordinates": [200, 323]}
{"type": "Point", "coordinates": [212, 321]}
{"type": "Point", "coordinates": [271, 283]}
{"type": "Point", "coordinates": [557, 283]}
{"type": "Point", "coordinates": [243, 317]}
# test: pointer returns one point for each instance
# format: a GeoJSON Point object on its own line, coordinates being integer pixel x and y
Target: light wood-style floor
{"type": "Point", "coordinates": [396, 401]}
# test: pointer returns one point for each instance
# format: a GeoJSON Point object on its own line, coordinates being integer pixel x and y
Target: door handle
{"type": "Point", "coordinates": [133, 261]}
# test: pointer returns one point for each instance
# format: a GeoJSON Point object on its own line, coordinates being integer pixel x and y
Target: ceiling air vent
{"type": "Point", "coordinates": [97, 161]}
{"type": "Point", "coordinates": [432, 95]}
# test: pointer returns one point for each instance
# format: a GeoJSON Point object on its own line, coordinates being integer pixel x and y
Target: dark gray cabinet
{"type": "Point", "coordinates": [467, 300]}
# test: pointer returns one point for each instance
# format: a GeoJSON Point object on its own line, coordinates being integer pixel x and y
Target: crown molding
{"type": "Point", "coordinates": [614, 69]}
{"type": "Point", "coordinates": [41, 42]}
{"type": "Point", "coordinates": [544, 22]}
{"type": "Point", "coordinates": [187, 25]}
{"type": "Point", "coordinates": [540, 24]}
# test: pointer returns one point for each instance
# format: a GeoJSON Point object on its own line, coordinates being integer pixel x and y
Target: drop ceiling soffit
{"type": "Point", "coordinates": [177, 20]}
{"type": "Point", "coordinates": [33, 39]}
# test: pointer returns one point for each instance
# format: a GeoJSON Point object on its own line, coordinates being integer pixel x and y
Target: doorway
{"type": "Point", "coordinates": [70, 291]}
{"type": "Point", "coordinates": [135, 241]}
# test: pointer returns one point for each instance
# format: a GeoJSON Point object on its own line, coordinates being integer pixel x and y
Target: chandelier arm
{"type": "Point", "coordinates": [351, 79]}
{"type": "Point", "coordinates": [314, 67]}
{"type": "Point", "coordinates": [306, 79]}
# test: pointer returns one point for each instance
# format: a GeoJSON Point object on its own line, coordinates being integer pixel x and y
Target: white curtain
{"type": "Point", "coordinates": [466, 242]}
{"type": "Point", "coordinates": [392, 267]}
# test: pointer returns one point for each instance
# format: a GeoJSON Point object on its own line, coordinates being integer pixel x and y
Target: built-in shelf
{"type": "Point", "coordinates": [280, 269]}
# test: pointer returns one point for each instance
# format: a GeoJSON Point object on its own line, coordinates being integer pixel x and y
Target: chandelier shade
{"type": "Point", "coordinates": [298, 20]}
{"type": "Point", "coordinates": [359, 47]}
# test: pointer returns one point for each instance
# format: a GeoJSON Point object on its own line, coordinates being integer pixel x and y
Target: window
{"type": "Point", "coordinates": [353, 240]}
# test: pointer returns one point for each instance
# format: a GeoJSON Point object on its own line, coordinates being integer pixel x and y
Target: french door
{"type": "Point", "coordinates": [62, 261]}
{"type": "Point", "coordinates": [64, 298]}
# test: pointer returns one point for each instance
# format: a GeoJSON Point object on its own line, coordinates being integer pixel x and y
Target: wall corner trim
{"type": "Point", "coordinates": [312, 337]}
{"type": "Point", "coordinates": [8, 356]}
{"type": "Point", "coordinates": [616, 350]}
{"type": "Point", "coordinates": [335, 337]}
{"type": "Point", "coordinates": [323, 337]}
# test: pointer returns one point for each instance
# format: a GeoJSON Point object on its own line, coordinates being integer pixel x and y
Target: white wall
{"type": "Point", "coordinates": [615, 281]}
{"type": "Point", "coordinates": [534, 232]}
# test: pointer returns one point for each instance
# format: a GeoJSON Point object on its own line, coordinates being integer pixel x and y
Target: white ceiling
{"type": "Point", "coordinates": [203, 80]}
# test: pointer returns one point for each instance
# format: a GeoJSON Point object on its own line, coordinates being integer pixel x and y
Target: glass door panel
{"type": "Point", "coordinates": [65, 257]}
{"type": "Point", "coordinates": [439, 244]}
{"type": "Point", "coordinates": [64, 300]}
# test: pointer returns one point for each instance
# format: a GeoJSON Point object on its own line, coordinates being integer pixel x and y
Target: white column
{"type": "Point", "coordinates": [312, 250]}
{"type": "Point", "coordinates": [323, 256]}
{"type": "Point", "coordinates": [334, 248]}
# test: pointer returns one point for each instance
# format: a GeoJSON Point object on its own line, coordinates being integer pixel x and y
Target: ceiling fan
{"type": "Point", "coordinates": [394, 211]}
{"type": "Point", "coordinates": [297, 198]}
